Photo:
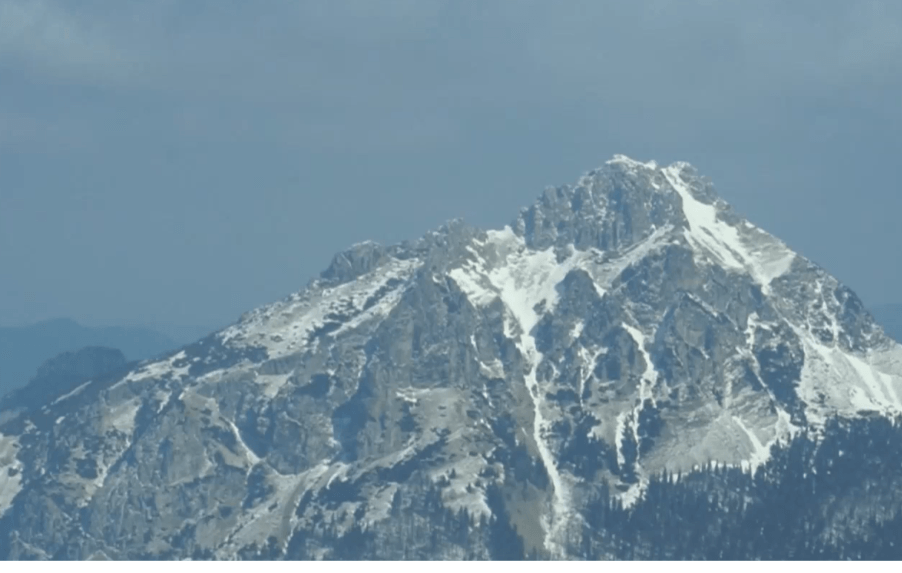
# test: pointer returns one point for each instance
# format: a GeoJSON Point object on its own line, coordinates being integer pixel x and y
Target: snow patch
{"type": "Point", "coordinates": [760, 453]}
{"type": "Point", "coordinates": [620, 430]}
{"type": "Point", "coordinates": [588, 359]}
{"type": "Point", "coordinates": [705, 230]}
{"type": "Point", "coordinates": [408, 395]}
{"type": "Point", "coordinates": [837, 382]}
{"type": "Point", "coordinates": [493, 369]}
{"type": "Point", "coordinates": [604, 270]}
{"type": "Point", "coordinates": [379, 504]}
{"type": "Point", "coordinates": [157, 369]}
{"type": "Point", "coordinates": [268, 516]}
{"type": "Point", "coordinates": [525, 279]}
{"type": "Point", "coordinates": [619, 159]}
{"type": "Point", "coordinates": [179, 372]}
{"type": "Point", "coordinates": [122, 417]}
{"type": "Point", "coordinates": [464, 491]}
{"type": "Point", "coordinates": [879, 384]}
{"type": "Point", "coordinates": [577, 330]}
{"type": "Point", "coordinates": [248, 453]}
{"type": "Point", "coordinates": [154, 370]}
{"type": "Point", "coordinates": [10, 472]}
{"type": "Point", "coordinates": [761, 255]}
{"type": "Point", "coordinates": [646, 393]}
{"type": "Point", "coordinates": [284, 327]}
{"type": "Point", "coordinates": [650, 376]}
{"type": "Point", "coordinates": [477, 287]}
{"type": "Point", "coordinates": [272, 383]}
{"type": "Point", "coordinates": [634, 493]}
{"type": "Point", "coordinates": [71, 394]}
{"type": "Point", "coordinates": [163, 396]}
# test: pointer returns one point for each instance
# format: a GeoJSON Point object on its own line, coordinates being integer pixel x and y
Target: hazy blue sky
{"type": "Point", "coordinates": [183, 161]}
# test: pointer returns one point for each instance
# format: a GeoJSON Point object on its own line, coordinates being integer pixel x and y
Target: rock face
{"type": "Point", "coordinates": [629, 369]}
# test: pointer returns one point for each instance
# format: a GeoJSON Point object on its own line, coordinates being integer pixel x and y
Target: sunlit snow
{"type": "Point", "coordinates": [753, 251]}
{"type": "Point", "coordinates": [71, 394]}
{"type": "Point", "coordinates": [284, 327]}
{"type": "Point", "coordinates": [525, 279]}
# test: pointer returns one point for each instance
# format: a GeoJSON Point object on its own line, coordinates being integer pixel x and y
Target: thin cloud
{"type": "Point", "coordinates": [48, 36]}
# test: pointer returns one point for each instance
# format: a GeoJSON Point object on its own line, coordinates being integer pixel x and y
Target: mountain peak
{"type": "Point", "coordinates": [617, 205]}
{"type": "Point", "coordinates": [679, 172]}
{"type": "Point", "coordinates": [621, 331]}
{"type": "Point", "coordinates": [621, 204]}
{"type": "Point", "coordinates": [631, 163]}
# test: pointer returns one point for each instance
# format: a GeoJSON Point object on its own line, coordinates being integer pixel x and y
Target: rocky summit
{"type": "Point", "coordinates": [629, 369]}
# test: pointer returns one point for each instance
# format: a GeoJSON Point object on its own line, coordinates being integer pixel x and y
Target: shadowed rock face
{"type": "Point", "coordinates": [82, 364]}
{"type": "Point", "coordinates": [61, 374]}
{"type": "Point", "coordinates": [471, 394]}
{"type": "Point", "coordinates": [24, 349]}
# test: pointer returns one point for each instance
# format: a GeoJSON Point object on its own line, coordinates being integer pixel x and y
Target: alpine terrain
{"type": "Point", "coordinates": [628, 370]}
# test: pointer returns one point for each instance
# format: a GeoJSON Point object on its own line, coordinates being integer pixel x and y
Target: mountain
{"type": "Point", "coordinates": [627, 370]}
{"type": "Point", "coordinates": [890, 318]}
{"type": "Point", "coordinates": [60, 375]}
{"type": "Point", "coordinates": [24, 348]}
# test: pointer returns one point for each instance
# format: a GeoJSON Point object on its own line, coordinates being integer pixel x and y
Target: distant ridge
{"type": "Point", "coordinates": [61, 374]}
{"type": "Point", "coordinates": [24, 348]}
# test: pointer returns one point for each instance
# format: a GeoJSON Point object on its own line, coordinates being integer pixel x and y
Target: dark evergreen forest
{"type": "Point", "coordinates": [835, 496]}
